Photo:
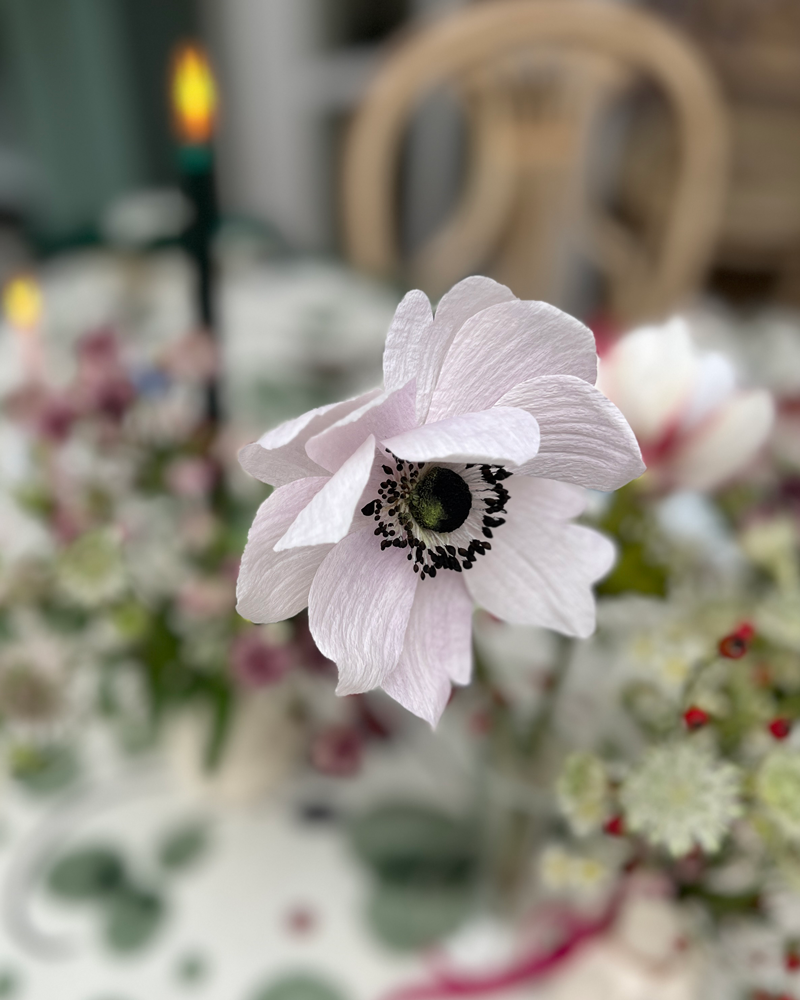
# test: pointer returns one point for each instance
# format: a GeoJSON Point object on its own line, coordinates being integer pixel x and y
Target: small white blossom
{"type": "Point", "coordinates": [680, 796]}
{"type": "Point", "coordinates": [91, 571]}
{"type": "Point", "coordinates": [778, 789]}
{"type": "Point", "coordinates": [583, 792]}
{"type": "Point", "coordinates": [562, 871]}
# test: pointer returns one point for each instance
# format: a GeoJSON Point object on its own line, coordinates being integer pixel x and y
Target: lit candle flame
{"type": "Point", "coordinates": [194, 95]}
{"type": "Point", "coordinates": [22, 303]}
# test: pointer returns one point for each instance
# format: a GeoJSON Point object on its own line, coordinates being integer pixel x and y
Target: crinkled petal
{"type": "Point", "coordinates": [500, 435]}
{"type": "Point", "coordinates": [386, 414]}
{"type": "Point", "coordinates": [505, 345]}
{"type": "Point", "coordinates": [541, 568]}
{"type": "Point", "coordinates": [274, 585]}
{"type": "Point", "coordinates": [359, 607]}
{"type": "Point", "coordinates": [279, 456]}
{"type": "Point", "coordinates": [725, 442]}
{"type": "Point", "coordinates": [416, 348]}
{"type": "Point", "coordinates": [329, 515]}
{"type": "Point", "coordinates": [408, 341]}
{"type": "Point", "coordinates": [585, 438]}
{"type": "Point", "coordinates": [437, 648]}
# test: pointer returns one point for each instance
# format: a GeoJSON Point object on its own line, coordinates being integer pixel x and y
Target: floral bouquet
{"type": "Point", "coordinates": [659, 751]}
{"type": "Point", "coordinates": [118, 597]}
{"type": "Point", "coordinates": [590, 586]}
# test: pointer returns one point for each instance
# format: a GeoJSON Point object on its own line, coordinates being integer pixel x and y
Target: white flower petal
{"type": "Point", "coordinates": [329, 515]}
{"type": "Point", "coordinates": [504, 345]}
{"type": "Point", "coordinates": [437, 648]}
{"type": "Point", "coordinates": [651, 375]}
{"type": "Point", "coordinates": [384, 415]}
{"type": "Point", "coordinates": [500, 435]}
{"type": "Point", "coordinates": [726, 442]}
{"type": "Point", "coordinates": [279, 456]}
{"type": "Point", "coordinates": [584, 437]}
{"type": "Point", "coordinates": [464, 300]}
{"type": "Point", "coordinates": [541, 568]}
{"type": "Point", "coordinates": [408, 341]}
{"type": "Point", "coordinates": [417, 343]}
{"type": "Point", "coordinates": [274, 585]}
{"type": "Point", "coordinates": [715, 381]}
{"type": "Point", "coordinates": [359, 607]}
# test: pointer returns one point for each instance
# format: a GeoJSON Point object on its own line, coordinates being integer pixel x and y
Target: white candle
{"type": "Point", "coordinates": [22, 304]}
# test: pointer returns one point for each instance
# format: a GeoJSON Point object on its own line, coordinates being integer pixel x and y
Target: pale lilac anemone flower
{"type": "Point", "coordinates": [395, 512]}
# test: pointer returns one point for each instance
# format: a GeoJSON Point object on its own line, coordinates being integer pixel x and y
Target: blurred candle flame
{"type": "Point", "coordinates": [194, 95]}
{"type": "Point", "coordinates": [22, 303]}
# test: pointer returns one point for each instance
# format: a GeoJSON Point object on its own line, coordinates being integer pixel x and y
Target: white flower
{"type": "Point", "coordinates": [583, 792]}
{"type": "Point", "coordinates": [695, 427]}
{"type": "Point", "coordinates": [778, 789]}
{"type": "Point", "coordinates": [91, 570]}
{"type": "Point", "coordinates": [562, 871]}
{"type": "Point", "coordinates": [384, 502]}
{"type": "Point", "coordinates": [38, 694]}
{"type": "Point", "coordinates": [680, 797]}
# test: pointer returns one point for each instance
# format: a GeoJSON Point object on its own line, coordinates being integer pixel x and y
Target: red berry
{"type": "Point", "coordinates": [736, 644]}
{"type": "Point", "coordinates": [695, 718]}
{"type": "Point", "coordinates": [780, 728]}
{"type": "Point", "coordinates": [792, 960]}
{"type": "Point", "coordinates": [732, 647]}
{"type": "Point", "coordinates": [615, 827]}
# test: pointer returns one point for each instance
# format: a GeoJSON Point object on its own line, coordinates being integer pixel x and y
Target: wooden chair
{"type": "Point", "coordinates": [534, 76]}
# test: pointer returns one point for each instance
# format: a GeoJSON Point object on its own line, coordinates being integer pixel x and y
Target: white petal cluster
{"type": "Point", "coordinates": [778, 790]}
{"type": "Point", "coordinates": [563, 871]}
{"type": "Point", "coordinates": [681, 797]}
{"type": "Point", "coordinates": [697, 428]}
{"type": "Point", "coordinates": [583, 792]}
{"type": "Point", "coordinates": [91, 570]}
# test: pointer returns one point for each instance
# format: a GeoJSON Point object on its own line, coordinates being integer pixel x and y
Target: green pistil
{"type": "Point", "coordinates": [440, 501]}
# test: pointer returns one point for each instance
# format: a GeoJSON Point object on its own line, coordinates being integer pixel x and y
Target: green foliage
{"type": "Point", "coordinates": [414, 845]}
{"type": "Point", "coordinates": [300, 986]}
{"type": "Point", "coordinates": [183, 847]}
{"type": "Point", "coordinates": [192, 969]}
{"type": "Point", "coordinates": [425, 863]}
{"type": "Point", "coordinates": [638, 569]}
{"type": "Point", "coordinates": [407, 917]}
{"type": "Point", "coordinates": [130, 914]}
{"type": "Point", "coordinates": [9, 983]}
{"type": "Point", "coordinates": [133, 917]}
{"type": "Point", "coordinates": [44, 770]}
{"type": "Point", "coordinates": [88, 874]}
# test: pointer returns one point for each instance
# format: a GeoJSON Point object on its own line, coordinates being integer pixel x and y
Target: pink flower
{"type": "Point", "coordinates": [257, 659]}
{"type": "Point", "coordinates": [396, 511]}
{"type": "Point", "coordinates": [337, 751]}
{"type": "Point", "coordinates": [190, 477]}
{"type": "Point", "coordinates": [205, 597]}
{"type": "Point", "coordinates": [103, 385]}
{"type": "Point", "coordinates": [48, 412]}
{"type": "Point", "coordinates": [695, 427]}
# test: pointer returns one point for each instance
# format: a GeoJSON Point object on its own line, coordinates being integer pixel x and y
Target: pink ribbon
{"type": "Point", "coordinates": [576, 932]}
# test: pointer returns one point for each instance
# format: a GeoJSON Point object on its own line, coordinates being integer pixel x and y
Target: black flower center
{"type": "Point", "coordinates": [440, 501]}
{"type": "Point", "coordinates": [444, 516]}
